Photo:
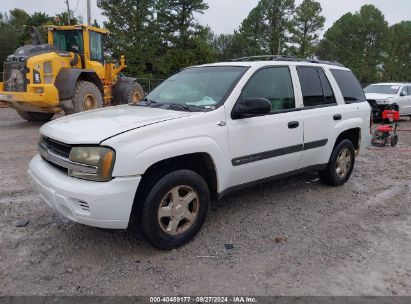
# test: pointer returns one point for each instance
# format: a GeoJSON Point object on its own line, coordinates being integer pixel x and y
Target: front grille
{"type": "Point", "coordinates": [56, 146]}
{"type": "Point", "coordinates": [14, 76]}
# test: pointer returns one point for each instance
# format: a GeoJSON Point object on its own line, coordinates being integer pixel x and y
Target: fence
{"type": "Point", "coordinates": [149, 84]}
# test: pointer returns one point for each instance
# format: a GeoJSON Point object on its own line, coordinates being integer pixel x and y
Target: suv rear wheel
{"type": "Point", "coordinates": [35, 116]}
{"type": "Point", "coordinates": [341, 164]}
{"type": "Point", "coordinates": [175, 209]}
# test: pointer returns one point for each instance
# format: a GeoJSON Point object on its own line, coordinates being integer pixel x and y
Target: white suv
{"type": "Point", "coordinates": [204, 132]}
{"type": "Point", "coordinates": [382, 96]}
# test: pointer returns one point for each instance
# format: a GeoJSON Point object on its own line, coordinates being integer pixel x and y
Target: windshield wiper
{"type": "Point", "coordinates": [145, 102]}
{"type": "Point", "coordinates": [177, 105]}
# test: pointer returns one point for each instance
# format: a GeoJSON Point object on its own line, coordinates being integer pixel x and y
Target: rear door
{"type": "Point", "coordinates": [320, 114]}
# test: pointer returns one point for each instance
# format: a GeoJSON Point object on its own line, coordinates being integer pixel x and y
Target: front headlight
{"type": "Point", "coordinates": [102, 158]}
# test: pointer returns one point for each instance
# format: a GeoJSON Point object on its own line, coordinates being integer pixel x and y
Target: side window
{"type": "Point", "coordinates": [311, 86]}
{"type": "Point", "coordinates": [274, 84]}
{"type": "Point", "coordinates": [96, 46]}
{"type": "Point", "coordinates": [327, 90]}
{"type": "Point", "coordinates": [349, 86]}
{"type": "Point", "coordinates": [408, 89]}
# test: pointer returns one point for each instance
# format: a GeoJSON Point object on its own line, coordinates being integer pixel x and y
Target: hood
{"type": "Point", "coordinates": [378, 96]}
{"type": "Point", "coordinates": [92, 127]}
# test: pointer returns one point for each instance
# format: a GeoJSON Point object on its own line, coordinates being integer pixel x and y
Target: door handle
{"type": "Point", "coordinates": [293, 124]}
{"type": "Point", "coordinates": [337, 117]}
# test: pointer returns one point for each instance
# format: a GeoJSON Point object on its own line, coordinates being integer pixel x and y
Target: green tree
{"type": "Point", "coordinates": [62, 19]}
{"type": "Point", "coordinates": [251, 34]}
{"type": "Point", "coordinates": [40, 19]}
{"type": "Point", "coordinates": [19, 18]}
{"type": "Point", "coordinates": [133, 32]}
{"type": "Point", "coordinates": [306, 24]}
{"type": "Point", "coordinates": [184, 41]}
{"type": "Point", "coordinates": [266, 27]}
{"type": "Point", "coordinates": [176, 18]}
{"type": "Point", "coordinates": [397, 61]}
{"type": "Point", "coordinates": [357, 41]}
{"type": "Point", "coordinates": [231, 46]}
{"type": "Point", "coordinates": [9, 41]}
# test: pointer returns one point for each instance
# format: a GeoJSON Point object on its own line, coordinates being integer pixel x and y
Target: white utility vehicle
{"type": "Point", "coordinates": [382, 96]}
{"type": "Point", "coordinates": [204, 132]}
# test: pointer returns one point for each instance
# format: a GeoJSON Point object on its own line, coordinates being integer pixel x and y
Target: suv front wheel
{"type": "Point", "coordinates": [175, 209]}
{"type": "Point", "coordinates": [341, 164]}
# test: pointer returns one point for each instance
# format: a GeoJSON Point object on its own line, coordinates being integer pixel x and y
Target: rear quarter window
{"type": "Point", "coordinates": [349, 86]}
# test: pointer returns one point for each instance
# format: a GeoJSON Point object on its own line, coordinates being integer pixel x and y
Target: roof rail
{"type": "Point", "coordinates": [285, 58]}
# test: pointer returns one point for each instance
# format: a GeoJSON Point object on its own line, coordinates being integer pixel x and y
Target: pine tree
{"type": "Point", "coordinates": [357, 40]}
{"type": "Point", "coordinates": [306, 24]}
{"type": "Point", "coordinates": [133, 32]}
{"type": "Point", "coordinates": [184, 41]}
{"type": "Point", "coordinates": [397, 57]}
{"type": "Point", "coordinates": [266, 27]}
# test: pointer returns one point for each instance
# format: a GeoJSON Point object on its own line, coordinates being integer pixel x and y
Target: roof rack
{"type": "Point", "coordinates": [285, 58]}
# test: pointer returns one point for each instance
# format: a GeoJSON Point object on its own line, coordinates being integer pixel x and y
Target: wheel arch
{"type": "Point", "coordinates": [67, 78]}
{"type": "Point", "coordinates": [201, 163]}
{"type": "Point", "coordinates": [352, 134]}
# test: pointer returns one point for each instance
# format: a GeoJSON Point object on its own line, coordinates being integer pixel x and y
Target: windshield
{"type": "Point", "coordinates": [69, 40]}
{"type": "Point", "coordinates": [382, 89]}
{"type": "Point", "coordinates": [204, 87]}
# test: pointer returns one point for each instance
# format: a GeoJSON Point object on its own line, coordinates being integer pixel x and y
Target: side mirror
{"type": "Point", "coordinates": [402, 94]}
{"type": "Point", "coordinates": [252, 106]}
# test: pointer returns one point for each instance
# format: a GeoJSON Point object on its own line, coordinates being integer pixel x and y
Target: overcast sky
{"type": "Point", "coordinates": [224, 16]}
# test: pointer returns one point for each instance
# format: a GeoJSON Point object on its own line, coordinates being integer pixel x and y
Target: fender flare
{"type": "Point", "coordinates": [67, 78]}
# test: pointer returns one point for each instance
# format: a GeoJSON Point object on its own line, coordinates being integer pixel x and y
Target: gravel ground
{"type": "Point", "coordinates": [291, 237]}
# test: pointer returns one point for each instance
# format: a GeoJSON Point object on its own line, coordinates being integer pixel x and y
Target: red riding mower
{"type": "Point", "coordinates": [387, 133]}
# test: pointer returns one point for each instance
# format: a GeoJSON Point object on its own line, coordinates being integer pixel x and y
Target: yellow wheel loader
{"type": "Point", "coordinates": [68, 74]}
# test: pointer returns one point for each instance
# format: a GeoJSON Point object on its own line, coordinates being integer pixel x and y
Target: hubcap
{"type": "Point", "coordinates": [343, 163]}
{"type": "Point", "coordinates": [89, 102]}
{"type": "Point", "coordinates": [178, 210]}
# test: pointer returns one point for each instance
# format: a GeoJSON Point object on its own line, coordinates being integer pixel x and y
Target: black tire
{"type": "Point", "coordinates": [394, 140]}
{"type": "Point", "coordinates": [152, 226]}
{"type": "Point", "coordinates": [87, 96]}
{"type": "Point", "coordinates": [135, 93]}
{"type": "Point", "coordinates": [329, 175]}
{"type": "Point", "coordinates": [35, 116]}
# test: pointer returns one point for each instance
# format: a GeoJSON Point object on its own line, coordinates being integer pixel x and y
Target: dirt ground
{"type": "Point", "coordinates": [290, 237]}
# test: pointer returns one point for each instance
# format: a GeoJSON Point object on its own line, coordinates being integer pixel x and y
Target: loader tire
{"type": "Point", "coordinates": [87, 96]}
{"type": "Point", "coordinates": [135, 93]}
{"type": "Point", "coordinates": [35, 116]}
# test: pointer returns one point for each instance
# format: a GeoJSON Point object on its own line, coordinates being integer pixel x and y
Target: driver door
{"type": "Point", "coordinates": [96, 52]}
{"type": "Point", "coordinates": [266, 145]}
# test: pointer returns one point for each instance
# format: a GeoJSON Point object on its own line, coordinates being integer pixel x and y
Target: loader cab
{"type": "Point", "coordinates": [86, 41]}
{"type": "Point", "coordinates": [69, 41]}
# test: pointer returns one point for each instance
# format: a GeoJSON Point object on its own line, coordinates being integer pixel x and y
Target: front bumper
{"type": "Point", "coordinates": [31, 101]}
{"type": "Point", "coordinates": [98, 204]}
